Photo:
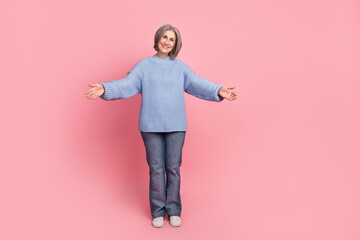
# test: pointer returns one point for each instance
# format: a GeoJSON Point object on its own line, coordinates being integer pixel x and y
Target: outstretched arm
{"type": "Point", "coordinates": [117, 89]}
{"type": "Point", "coordinates": [205, 89]}
{"type": "Point", "coordinates": [201, 87]}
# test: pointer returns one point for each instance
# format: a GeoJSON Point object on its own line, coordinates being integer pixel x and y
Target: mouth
{"type": "Point", "coordinates": [165, 47]}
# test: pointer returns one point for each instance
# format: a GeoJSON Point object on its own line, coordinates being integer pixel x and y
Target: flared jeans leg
{"type": "Point", "coordinates": [164, 156]}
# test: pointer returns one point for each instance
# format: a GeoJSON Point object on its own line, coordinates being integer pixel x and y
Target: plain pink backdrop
{"type": "Point", "coordinates": [280, 163]}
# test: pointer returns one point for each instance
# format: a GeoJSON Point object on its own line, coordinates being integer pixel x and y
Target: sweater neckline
{"type": "Point", "coordinates": [159, 59]}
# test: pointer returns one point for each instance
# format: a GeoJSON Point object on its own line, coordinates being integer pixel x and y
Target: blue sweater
{"type": "Point", "coordinates": [161, 82]}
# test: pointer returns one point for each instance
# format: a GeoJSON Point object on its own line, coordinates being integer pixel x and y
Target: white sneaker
{"type": "Point", "coordinates": [175, 221]}
{"type": "Point", "coordinates": [158, 222]}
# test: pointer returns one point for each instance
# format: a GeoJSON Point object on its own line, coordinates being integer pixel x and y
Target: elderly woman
{"type": "Point", "coordinates": [161, 79]}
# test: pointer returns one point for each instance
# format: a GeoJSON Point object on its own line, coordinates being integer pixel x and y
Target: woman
{"type": "Point", "coordinates": [162, 80]}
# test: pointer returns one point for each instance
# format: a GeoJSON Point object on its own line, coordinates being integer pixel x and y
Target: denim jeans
{"type": "Point", "coordinates": [164, 155]}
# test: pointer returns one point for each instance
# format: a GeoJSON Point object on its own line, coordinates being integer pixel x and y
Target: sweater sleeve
{"type": "Point", "coordinates": [125, 87]}
{"type": "Point", "coordinates": [201, 87]}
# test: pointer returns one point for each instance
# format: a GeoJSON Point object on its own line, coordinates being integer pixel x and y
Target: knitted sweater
{"type": "Point", "coordinates": [161, 82]}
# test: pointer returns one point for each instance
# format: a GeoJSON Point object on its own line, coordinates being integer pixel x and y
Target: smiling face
{"type": "Point", "coordinates": [167, 42]}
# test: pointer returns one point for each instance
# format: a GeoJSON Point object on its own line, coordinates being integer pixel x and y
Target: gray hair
{"type": "Point", "coordinates": [178, 43]}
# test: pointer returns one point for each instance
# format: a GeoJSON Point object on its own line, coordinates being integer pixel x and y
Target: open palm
{"type": "Point", "coordinates": [95, 91]}
{"type": "Point", "coordinates": [228, 93]}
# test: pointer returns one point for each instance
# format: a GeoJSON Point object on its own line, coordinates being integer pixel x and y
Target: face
{"type": "Point", "coordinates": [167, 42]}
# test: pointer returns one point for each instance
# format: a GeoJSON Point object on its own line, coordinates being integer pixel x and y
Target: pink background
{"type": "Point", "coordinates": [281, 162]}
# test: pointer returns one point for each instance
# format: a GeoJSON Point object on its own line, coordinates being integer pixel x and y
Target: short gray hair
{"type": "Point", "coordinates": [178, 43]}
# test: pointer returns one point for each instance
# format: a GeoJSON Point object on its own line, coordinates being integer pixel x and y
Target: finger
{"type": "Point", "coordinates": [91, 90]}
{"type": "Point", "coordinates": [230, 87]}
{"type": "Point", "coordinates": [88, 93]}
{"type": "Point", "coordinates": [92, 84]}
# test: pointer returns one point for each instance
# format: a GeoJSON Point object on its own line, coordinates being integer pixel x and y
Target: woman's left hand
{"type": "Point", "coordinates": [228, 93]}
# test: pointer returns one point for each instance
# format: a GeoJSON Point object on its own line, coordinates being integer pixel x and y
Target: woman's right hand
{"type": "Point", "coordinates": [95, 91]}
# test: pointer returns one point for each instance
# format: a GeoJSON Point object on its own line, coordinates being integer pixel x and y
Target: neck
{"type": "Point", "coordinates": [161, 54]}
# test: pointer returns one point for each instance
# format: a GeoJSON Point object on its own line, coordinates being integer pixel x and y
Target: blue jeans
{"type": "Point", "coordinates": [164, 155]}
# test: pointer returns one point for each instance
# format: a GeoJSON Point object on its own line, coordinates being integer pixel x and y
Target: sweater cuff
{"type": "Point", "coordinates": [218, 98]}
{"type": "Point", "coordinates": [103, 96]}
